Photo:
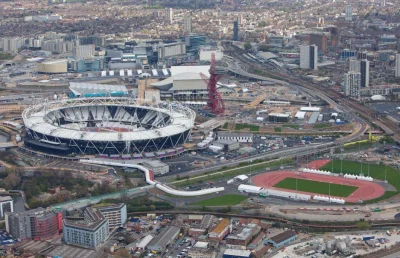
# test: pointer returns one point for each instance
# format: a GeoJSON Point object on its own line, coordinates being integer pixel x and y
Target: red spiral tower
{"type": "Point", "coordinates": [215, 103]}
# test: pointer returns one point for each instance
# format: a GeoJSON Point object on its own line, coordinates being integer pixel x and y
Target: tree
{"type": "Point", "coordinates": [363, 225]}
{"type": "Point", "coordinates": [247, 46]}
{"type": "Point", "coordinates": [262, 24]}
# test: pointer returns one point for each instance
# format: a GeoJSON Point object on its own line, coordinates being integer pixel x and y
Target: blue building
{"type": "Point", "coordinates": [86, 65]}
{"type": "Point", "coordinates": [193, 43]}
{"type": "Point", "coordinates": [347, 53]}
{"type": "Point", "coordinates": [282, 239]}
{"type": "Point", "coordinates": [235, 30]}
{"type": "Point", "coordinates": [88, 233]}
{"type": "Point", "coordinates": [89, 90]}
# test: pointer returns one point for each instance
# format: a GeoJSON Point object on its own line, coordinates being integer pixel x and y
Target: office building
{"type": "Point", "coordinates": [361, 66]}
{"type": "Point", "coordinates": [362, 55]}
{"type": "Point", "coordinates": [351, 84]}
{"type": "Point", "coordinates": [193, 43]}
{"type": "Point", "coordinates": [115, 213]}
{"type": "Point", "coordinates": [83, 51]}
{"type": "Point", "coordinates": [86, 65]}
{"type": "Point", "coordinates": [187, 24]}
{"type": "Point", "coordinates": [92, 40]}
{"type": "Point", "coordinates": [169, 15]}
{"type": "Point", "coordinates": [171, 49]}
{"type": "Point", "coordinates": [309, 57]}
{"type": "Point", "coordinates": [320, 40]}
{"type": "Point", "coordinates": [88, 233]}
{"type": "Point", "coordinates": [36, 224]}
{"type": "Point", "coordinates": [347, 53]}
{"type": "Point", "coordinates": [364, 70]}
{"type": "Point", "coordinates": [6, 205]}
{"type": "Point", "coordinates": [235, 30]}
{"type": "Point", "coordinates": [397, 71]}
{"type": "Point", "coordinates": [348, 13]}
{"type": "Point", "coordinates": [383, 3]}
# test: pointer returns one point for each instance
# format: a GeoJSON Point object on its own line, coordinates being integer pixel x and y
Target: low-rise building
{"type": "Point", "coordinates": [197, 252]}
{"type": "Point", "coordinates": [244, 237]}
{"type": "Point", "coordinates": [158, 167]}
{"type": "Point", "coordinates": [238, 137]}
{"type": "Point", "coordinates": [220, 230]}
{"type": "Point", "coordinates": [227, 145]}
{"type": "Point", "coordinates": [167, 236]}
{"type": "Point", "coordinates": [282, 239]}
{"type": "Point", "coordinates": [88, 233]}
{"type": "Point", "coordinates": [235, 253]}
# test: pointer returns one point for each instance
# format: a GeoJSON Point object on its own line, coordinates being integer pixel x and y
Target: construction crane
{"type": "Point", "coordinates": [215, 103]}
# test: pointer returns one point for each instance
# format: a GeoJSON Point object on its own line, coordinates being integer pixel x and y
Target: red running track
{"type": "Point", "coordinates": [366, 190]}
{"type": "Point", "coordinates": [316, 164]}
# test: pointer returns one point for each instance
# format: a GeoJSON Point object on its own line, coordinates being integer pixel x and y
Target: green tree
{"type": "Point", "coordinates": [247, 46]}
{"type": "Point", "coordinates": [363, 225]}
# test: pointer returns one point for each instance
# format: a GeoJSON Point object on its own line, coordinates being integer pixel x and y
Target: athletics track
{"type": "Point", "coordinates": [366, 190]}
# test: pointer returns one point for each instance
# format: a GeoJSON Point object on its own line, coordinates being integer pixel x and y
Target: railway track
{"type": "Point", "coordinates": [270, 218]}
{"type": "Point", "coordinates": [383, 123]}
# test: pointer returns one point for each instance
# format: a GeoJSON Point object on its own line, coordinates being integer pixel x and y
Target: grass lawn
{"type": "Point", "coordinates": [375, 171]}
{"type": "Point", "coordinates": [320, 126]}
{"type": "Point", "coordinates": [253, 128]}
{"type": "Point", "coordinates": [294, 126]}
{"type": "Point", "coordinates": [5, 56]}
{"type": "Point", "coordinates": [316, 187]}
{"type": "Point", "coordinates": [277, 129]}
{"type": "Point", "coordinates": [223, 200]}
{"type": "Point", "coordinates": [225, 125]}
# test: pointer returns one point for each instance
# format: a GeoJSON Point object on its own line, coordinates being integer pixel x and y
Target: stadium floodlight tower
{"type": "Point", "coordinates": [215, 102]}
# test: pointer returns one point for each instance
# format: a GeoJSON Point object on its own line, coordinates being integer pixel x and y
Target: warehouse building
{"type": "Point", "coordinates": [282, 239]}
{"type": "Point", "coordinates": [235, 253]}
{"type": "Point", "coordinates": [201, 252]}
{"type": "Point", "coordinates": [220, 230]}
{"type": "Point", "coordinates": [245, 236]}
{"type": "Point", "coordinates": [278, 118]}
{"type": "Point", "coordinates": [53, 67]}
{"type": "Point", "coordinates": [158, 167]}
{"type": "Point", "coordinates": [238, 137]}
{"type": "Point", "coordinates": [227, 145]}
{"type": "Point", "coordinates": [166, 237]}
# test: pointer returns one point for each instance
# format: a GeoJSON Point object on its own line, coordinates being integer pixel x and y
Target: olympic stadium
{"type": "Point", "coordinates": [106, 126]}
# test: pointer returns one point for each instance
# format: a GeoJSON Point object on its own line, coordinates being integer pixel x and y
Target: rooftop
{"type": "Point", "coordinates": [223, 134]}
{"type": "Point", "coordinates": [220, 227]}
{"type": "Point", "coordinates": [163, 239]}
{"type": "Point", "coordinates": [283, 236]}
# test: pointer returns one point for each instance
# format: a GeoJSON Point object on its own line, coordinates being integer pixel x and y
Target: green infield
{"type": "Point", "coordinates": [375, 171]}
{"type": "Point", "coordinates": [223, 200]}
{"type": "Point", "coordinates": [316, 187]}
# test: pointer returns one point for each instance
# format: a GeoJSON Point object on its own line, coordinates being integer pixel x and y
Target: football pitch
{"type": "Point", "coordinates": [316, 187]}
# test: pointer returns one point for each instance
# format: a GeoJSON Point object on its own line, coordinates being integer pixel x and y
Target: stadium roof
{"type": "Point", "coordinates": [190, 69]}
{"type": "Point", "coordinates": [79, 88]}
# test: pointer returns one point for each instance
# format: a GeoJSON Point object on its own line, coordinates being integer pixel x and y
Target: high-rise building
{"type": "Point", "coordinates": [88, 233]}
{"type": "Point", "coordinates": [364, 70]}
{"type": "Point", "coordinates": [320, 40]}
{"type": "Point", "coordinates": [115, 213]}
{"type": "Point", "coordinates": [83, 51]}
{"type": "Point", "coordinates": [187, 24]}
{"type": "Point", "coordinates": [362, 55]}
{"type": "Point", "coordinates": [12, 45]}
{"type": "Point", "coordinates": [352, 83]}
{"type": "Point", "coordinates": [36, 224]}
{"type": "Point", "coordinates": [309, 57]}
{"type": "Point", "coordinates": [321, 20]}
{"type": "Point", "coordinates": [6, 205]}
{"type": "Point", "coordinates": [348, 13]}
{"type": "Point", "coordinates": [169, 15]}
{"type": "Point", "coordinates": [397, 71]}
{"type": "Point", "coordinates": [240, 19]}
{"type": "Point", "coordinates": [235, 30]}
{"type": "Point", "coordinates": [383, 3]}
{"type": "Point", "coordinates": [362, 67]}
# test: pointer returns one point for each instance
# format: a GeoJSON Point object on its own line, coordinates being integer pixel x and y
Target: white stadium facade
{"type": "Point", "coordinates": [107, 125]}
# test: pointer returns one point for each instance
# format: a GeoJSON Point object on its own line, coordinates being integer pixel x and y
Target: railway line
{"type": "Point", "coordinates": [388, 126]}
{"type": "Point", "coordinates": [275, 219]}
